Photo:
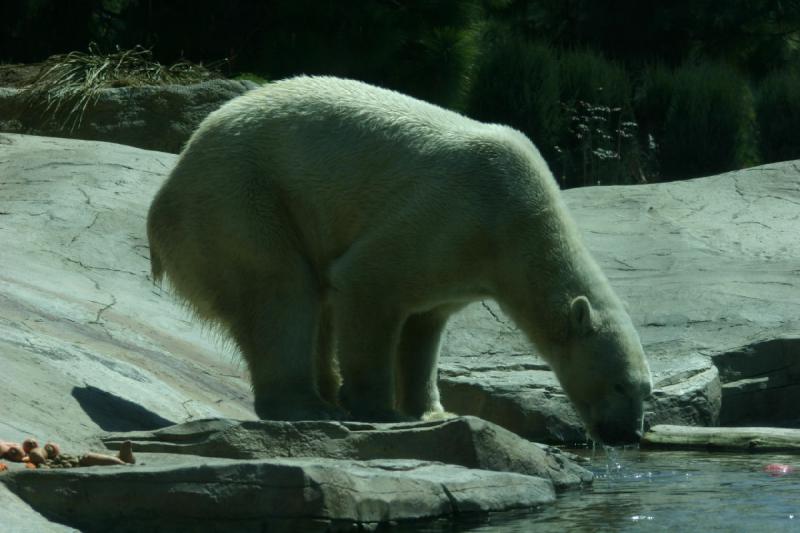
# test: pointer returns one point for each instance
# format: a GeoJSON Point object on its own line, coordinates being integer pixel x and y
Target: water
{"type": "Point", "coordinates": [668, 491]}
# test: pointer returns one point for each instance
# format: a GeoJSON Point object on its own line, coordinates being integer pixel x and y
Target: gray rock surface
{"type": "Point", "coordinates": [16, 515]}
{"type": "Point", "coordinates": [87, 343]}
{"type": "Point", "coordinates": [305, 494]}
{"type": "Point", "coordinates": [465, 441]}
{"type": "Point", "coordinates": [154, 117]}
{"type": "Point", "coordinates": [761, 383]}
{"type": "Point", "coordinates": [710, 269]}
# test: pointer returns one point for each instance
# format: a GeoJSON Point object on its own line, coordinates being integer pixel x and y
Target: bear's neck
{"type": "Point", "coordinates": [545, 268]}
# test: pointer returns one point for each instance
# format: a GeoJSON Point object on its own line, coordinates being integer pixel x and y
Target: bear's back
{"type": "Point", "coordinates": [344, 101]}
{"type": "Point", "coordinates": [344, 156]}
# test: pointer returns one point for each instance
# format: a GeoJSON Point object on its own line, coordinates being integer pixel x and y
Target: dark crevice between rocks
{"type": "Point", "coordinates": [113, 413]}
{"type": "Point", "coordinates": [761, 384]}
{"type": "Point", "coordinates": [454, 511]}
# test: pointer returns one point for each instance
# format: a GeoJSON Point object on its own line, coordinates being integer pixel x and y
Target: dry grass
{"type": "Point", "coordinates": [68, 84]}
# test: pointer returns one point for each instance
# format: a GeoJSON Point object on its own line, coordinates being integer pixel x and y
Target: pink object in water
{"type": "Point", "coordinates": [777, 469]}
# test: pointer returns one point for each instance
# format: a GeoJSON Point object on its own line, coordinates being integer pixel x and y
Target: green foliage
{"type": "Point", "coordinates": [754, 35]}
{"type": "Point", "coordinates": [31, 30]}
{"type": "Point", "coordinates": [531, 102]}
{"type": "Point", "coordinates": [69, 84]}
{"type": "Point", "coordinates": [652, 100]}
{"type": "Point", "coordinates": [249, 76]}
{"type": "Point", "coordinates": [605, 88]}
{"type": "Point", "coordinates": [574, 106]}
{"type": "Point", "coordinates": [436, 67]}
{"type": "Point", "coordinates": [423, 48]}
{"type": "Point", "coordinates": [600, 141]}
{"type": "Point", "coordinates": [778, 104]}
{"type": "Point", "coordinates": [590, 77]}
{"type": "Point", "coordinates": [710, 124]}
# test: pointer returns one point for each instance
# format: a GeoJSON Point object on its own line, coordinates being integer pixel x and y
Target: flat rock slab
{"type": "Point", "coordinates": [466, 441]}
{"type": "Point", "coordinates": [309, 494]}
{"type": "Point", "coordinates": [750, 439]}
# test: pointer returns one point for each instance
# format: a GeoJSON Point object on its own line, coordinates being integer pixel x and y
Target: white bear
{"type": "Point", "coordinates": [325, 222]}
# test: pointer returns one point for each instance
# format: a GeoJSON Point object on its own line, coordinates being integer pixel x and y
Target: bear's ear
{"type": "Point", "coordinates": [580, 315]}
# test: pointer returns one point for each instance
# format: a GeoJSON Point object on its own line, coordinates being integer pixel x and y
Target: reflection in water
{"type": "Point", "coordinates": [668, 491]}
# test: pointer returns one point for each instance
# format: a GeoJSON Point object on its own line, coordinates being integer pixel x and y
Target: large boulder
{"type": "Point", "coordinates": [304, 494]}
{"type": "Point", "coordinates": [209, 475]}
{"type": "Point", "coordinates": [158, 117]}
{"type": "Point", "coordinates": [465, 441]}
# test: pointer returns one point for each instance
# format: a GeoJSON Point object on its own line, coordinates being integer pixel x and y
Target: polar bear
{"type": "Point", "coordinates": [331, 227]}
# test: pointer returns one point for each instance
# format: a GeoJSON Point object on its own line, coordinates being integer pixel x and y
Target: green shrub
{"type": "Point", "coordinates": [421, 48]}
{"type": "Point", "coordinates": [710, 124]}
{"type": "Point", "coordinates": [588, 76]}
{"type": "Point", "coordinates": [250, 76]}
{"type": "Point", "coordinates": [435, 67]}
{"type": "Point", "coordinates": [599, 143]}
{"type": "Point", "coordinates": [515, 82]}
{"type": "Point", "coordinates": [575, 106]}
{"type": "Point", "coordinates": [652, 99]}
{"type": "Point", "coordinates": [778, 111]}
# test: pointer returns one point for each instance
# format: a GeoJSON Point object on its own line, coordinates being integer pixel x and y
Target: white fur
{"type": "Point", "coordinates": [318, 215]}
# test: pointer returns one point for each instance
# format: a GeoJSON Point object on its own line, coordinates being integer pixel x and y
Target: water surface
{"type": "Point", "coordinates": [668, 491]}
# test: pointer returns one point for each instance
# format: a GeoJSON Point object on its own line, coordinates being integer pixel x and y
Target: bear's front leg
{"type": "Point", "coordinates": [417, 358]}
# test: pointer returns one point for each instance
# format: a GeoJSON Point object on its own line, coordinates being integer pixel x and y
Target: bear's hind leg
{"type": "Point", "coordinates": [417, 358]}
{"type": "Point", "coordinates": [277, 335]}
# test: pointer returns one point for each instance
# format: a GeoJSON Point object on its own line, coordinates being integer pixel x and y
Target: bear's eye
{"type": "Point", "coordinates": [619, 389]}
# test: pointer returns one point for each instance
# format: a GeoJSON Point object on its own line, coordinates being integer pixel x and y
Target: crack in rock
{"type": "Point", "coordinates": [103, 309]}
{"type": "Point", "coordinates": [496, 317]}
{"type": "Point", "coordinates": [88, 200]}
{"type": "Point", "coordinates": [92, 267]}
{"type": "Point", "coordinates": [87, 228]}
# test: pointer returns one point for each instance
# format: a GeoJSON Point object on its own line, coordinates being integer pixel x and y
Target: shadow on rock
{"type": "Point", "coordinates": [113, 413]}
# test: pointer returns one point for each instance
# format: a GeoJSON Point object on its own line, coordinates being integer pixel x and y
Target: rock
{"type": "Point", "coordinates": [302, 494]}
{"type": "Point", "coordinates": [749, 439]}
{"type": "Point", "coordinates": [761, 383]}
{"type": "Point", "coordinates": [709, 267]}
{"type": "Point", "coordinates": [158, 117]}
{"type": "Point", "coordinates": [18, 516]}
{"type": "Point", "coordinates": [466, 441]}
{"type": "Point", "coordinates": [88, 343]}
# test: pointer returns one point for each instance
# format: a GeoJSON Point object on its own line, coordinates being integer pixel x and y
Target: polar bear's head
{"type": "Point", "coordinates": [604, 372]}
